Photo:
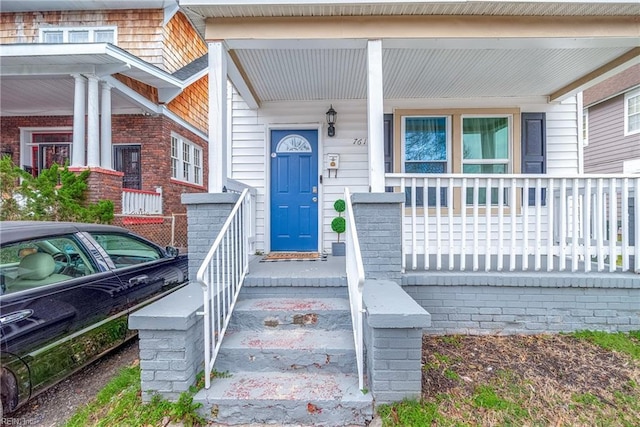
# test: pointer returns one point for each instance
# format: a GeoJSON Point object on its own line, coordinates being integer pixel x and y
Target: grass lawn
{"type": "Point", "coordinates": [581, 379]}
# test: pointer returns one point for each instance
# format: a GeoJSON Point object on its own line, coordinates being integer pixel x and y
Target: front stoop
{"type": "Point", "coordinates": [289, 361]}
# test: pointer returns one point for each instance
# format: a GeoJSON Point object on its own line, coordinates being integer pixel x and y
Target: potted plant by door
{"type": "Point", "coordinates": [339, 225]}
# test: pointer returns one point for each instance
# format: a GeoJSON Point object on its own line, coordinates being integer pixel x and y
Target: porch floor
{"type": "Point", "coordinates": [330, 267]}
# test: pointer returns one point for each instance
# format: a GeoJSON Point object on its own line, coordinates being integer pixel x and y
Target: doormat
{"type": "Point", "coordinates": [292, 256]}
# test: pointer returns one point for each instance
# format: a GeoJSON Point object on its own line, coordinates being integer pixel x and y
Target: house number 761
{"type": "Point", "coordinates": [359, 141]}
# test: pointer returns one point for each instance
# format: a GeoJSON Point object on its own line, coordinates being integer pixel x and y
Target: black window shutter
{"type": "Point", "coordinates": [388, 146]}
{"type": "Point", "coordinates": [534, 149]}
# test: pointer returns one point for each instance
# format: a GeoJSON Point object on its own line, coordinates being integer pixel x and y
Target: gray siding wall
{"type": "Point", "coordinates": [608, 146]}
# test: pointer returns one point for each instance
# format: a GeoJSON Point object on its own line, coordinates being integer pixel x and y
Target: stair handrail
{"type": "Point", "coordinates": [355, 282]}
{"type": "Point", "coordinates": [221, 276]}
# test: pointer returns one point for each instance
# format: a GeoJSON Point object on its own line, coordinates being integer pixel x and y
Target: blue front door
{"type": "Point", "coordinates": [294, 190]}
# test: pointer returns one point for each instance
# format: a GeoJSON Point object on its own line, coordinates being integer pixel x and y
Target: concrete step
{"type": "Point", "coordinates": [291, 313]}
{"type": "Point", "coordinates": [286, 398]}
{"type": "Point", "coordinates": [305, 350]}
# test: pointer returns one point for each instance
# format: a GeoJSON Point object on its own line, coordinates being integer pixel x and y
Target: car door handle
{"type": "Point", "coordinates": [138, 279]}
{"type": "Point", "coordinates": [15, 316]}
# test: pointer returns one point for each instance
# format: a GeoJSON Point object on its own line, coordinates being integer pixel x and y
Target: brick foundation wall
{"type": "Point", "coordinates": [527, 304]}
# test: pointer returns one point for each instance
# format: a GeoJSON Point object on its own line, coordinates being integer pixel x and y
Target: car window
{"type": "Point", "coordinates": [125, 250]}
{"type": "Point", "coordinates": [34, 263]}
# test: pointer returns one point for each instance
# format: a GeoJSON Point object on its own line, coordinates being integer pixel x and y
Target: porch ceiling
{"type": "Point", "coordinates": [470, 69]}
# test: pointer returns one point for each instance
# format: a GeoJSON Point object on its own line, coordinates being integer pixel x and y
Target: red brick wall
{"type": "Point", "coordinates": [10, 130]}
{"type": "Point", "coordinates": [104, 185]}
{"type": "Point", "coordinates": [152, 133]}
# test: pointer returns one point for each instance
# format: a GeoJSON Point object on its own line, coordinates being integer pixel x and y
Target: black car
{"type": "Point", "coordinates": [66, 290]}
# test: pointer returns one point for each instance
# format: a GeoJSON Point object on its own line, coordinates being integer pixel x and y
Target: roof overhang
{"type": "Point", "coordinates": [30, 70]}
{"type": "Point", "coordinates": [427, 56]}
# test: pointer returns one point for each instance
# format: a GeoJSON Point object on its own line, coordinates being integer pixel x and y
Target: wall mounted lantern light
{"type": "Point", "coordinates": [331, 120]}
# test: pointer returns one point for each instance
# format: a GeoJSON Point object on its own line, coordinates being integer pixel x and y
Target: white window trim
{"type": "Point", "coordinates": [26, 136]}
{"type": "Point", "coordinates": [585, 127]}
{"type": "Point", "coordinates": [508, 161]}
{"type": "Point", "coordinates": [631, 94]}
{"type": "Point", "coordinates": [180, 166]}
{"type": "Point", "coordinates": [67, 30]}
{"type": "Point", "coordinates": [448, 160]}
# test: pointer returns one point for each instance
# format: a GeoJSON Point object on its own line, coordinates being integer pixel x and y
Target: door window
{"type": "Point", "coordinates": [127, 161]}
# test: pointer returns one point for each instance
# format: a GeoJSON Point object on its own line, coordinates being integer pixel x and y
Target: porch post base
{"type": "Point", "coordinates": [393, 328]}
{"type": "Point", "coordinates": [171, 340]}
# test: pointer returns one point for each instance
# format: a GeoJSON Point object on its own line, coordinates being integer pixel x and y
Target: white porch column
{"type": "Point", "coordinates": [375, 116]}
{"type": "Point", "coordinates": [217, 117]}
{"type": "Point", "coordinates": [79, 111]}
{"type": "Point", "coordinates": [93, 123]}
{"type": "Point", "coordinates": [105, 127]}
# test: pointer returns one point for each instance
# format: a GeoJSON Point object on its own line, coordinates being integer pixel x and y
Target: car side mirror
{"type": "Point", "coordinates": [172, 251]}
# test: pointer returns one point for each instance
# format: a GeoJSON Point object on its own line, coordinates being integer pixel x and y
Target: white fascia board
{"type": "Point", "coordinates": [238, 81]}
{"type": "Point", "coordinates": [143, 102]}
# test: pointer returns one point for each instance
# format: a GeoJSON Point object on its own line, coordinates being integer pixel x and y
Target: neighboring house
{"type": "Point", "coordinates": [117, 87]}
{"type": "Point", "coordinates": [451, 97]}
{"type": "Point", "coordinates": [612, 124]}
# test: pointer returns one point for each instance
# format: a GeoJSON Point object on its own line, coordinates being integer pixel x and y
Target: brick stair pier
{"type": "Point", "coordinates": [288, 361]}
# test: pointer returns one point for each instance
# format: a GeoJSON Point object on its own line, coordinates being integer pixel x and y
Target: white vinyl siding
{"type": "Point", "coordinates": [250, 133]}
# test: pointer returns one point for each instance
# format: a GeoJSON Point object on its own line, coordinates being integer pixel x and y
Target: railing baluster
{"type": "Point", "coordinates": [625, 224]}
{"type": "Point", "coordinates": [476, 232]}
{"type": "Point", "coordinates": [586, 225]}
{"type": "Point", "coordinates": [438, 227]}
{"type": "Point", "coordinates": [414, 231]}
{"type": "Point", "coordinates": [463, 214]}
{"type": "Point", "coordinates": [525, 224]}
{"type": "Point", "coordinates": [426, 224]}
{"type": "Point", "coordinates": [613, 225]}
{"type": "Point", "coordinates": [514, 229]}
{"type": "Point", "coordinates": [551, 196]}
{"type": "Point", "coordinates": [403, 225]}
{"type": "Point", "coordinates": [487, 219]}
{"type": "Point", "coordinates": [500, 224]}
{"type": "Point", "coordinates": [450, 219]}
{"type": "Point", "coordinates": [600, 219]}
{"type": "Point", "coordinates": [538, 232]}
{"type": "Point", "coordinates": [575, 225]}
{"type": "Point", "coordinates": [563, 224]}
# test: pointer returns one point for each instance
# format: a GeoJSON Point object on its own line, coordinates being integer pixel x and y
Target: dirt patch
{"type": "Point", "coordinates": [548, 379]}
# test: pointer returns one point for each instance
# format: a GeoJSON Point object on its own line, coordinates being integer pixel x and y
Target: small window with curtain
{"type": "Point", "coordinates": [426, 142]}
{"type": "Point", "coordinates": [485, 150]}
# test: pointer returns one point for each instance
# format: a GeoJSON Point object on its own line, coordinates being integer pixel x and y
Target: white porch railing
{"type": "Point", "coordinates": [524, 222]}
{"type": "Point", "coordinates": [355, 281]}
{"type": "Point", "coordinates": [138, 202]}
{"type": "Point", "coordinates": [221, 275]}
